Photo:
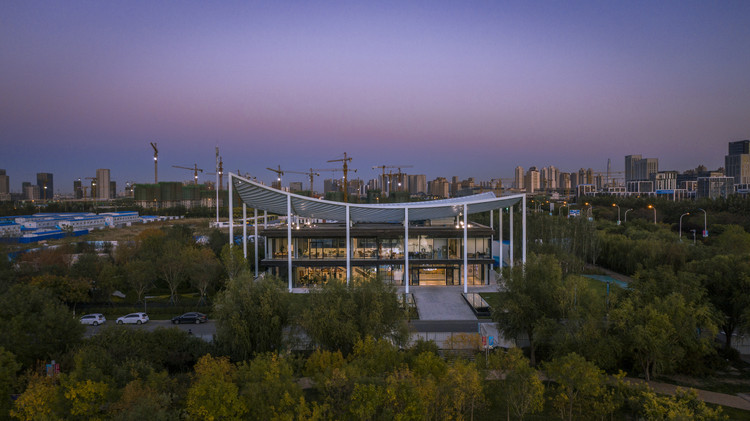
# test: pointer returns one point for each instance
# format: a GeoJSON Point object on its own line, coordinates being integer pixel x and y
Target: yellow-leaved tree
{"type": "Point", "coordinates": [213, 394]}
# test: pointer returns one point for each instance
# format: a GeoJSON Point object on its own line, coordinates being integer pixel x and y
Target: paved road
{"type": "Point", "coordinates": [204, 330]}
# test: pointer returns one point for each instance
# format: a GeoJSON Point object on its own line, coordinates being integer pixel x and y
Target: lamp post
{"type": "Point", "coordinates": [590, 212]}
{"type": "Point", "coordinates": [564, 205]}
{"type": "Point", "coordinates": [652, 207]}
{"type": "Point", "coordinates": [626, 214]}
{"type": "Point", "coordinates": [693, 231]}
{"type": "Point", "coordinates": [618, 212]}
{"type": "Point", "coordinates": [686, 213]}
{"type": "Point", "coordinates": [705, 226]}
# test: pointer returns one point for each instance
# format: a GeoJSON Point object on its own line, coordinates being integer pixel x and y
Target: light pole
{"type": "Point", "coordinates": [652, 207]}
{"type": "Point", "coordinates": [626, 214]}
{"type": "Point", "coordinates": [590, 212]}
{"type": "Point", "coordinates": [618, 212]}
{"type": "Point", "coordinates": [693, 231]}
{"type": "Point", "coordinates": [564, 205]}
{"type": "Point", "coordinates": [686, 213]}
{"type": "Point", "coordinates": [705, 226]}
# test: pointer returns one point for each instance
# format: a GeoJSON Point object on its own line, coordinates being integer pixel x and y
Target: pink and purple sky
{"type": "Point", "coordinates": [466, 88]}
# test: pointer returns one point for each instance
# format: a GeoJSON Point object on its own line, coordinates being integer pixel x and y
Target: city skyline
{"type": "Point", "coordinates": [452, 88]}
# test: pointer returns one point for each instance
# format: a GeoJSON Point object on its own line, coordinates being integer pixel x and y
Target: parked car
{"type": "Point", "coordinates": [93, 319]}
{"type": "Point", "coordinates": [136, 318]}
{"type": "Point", "coordinates": [191, 317]}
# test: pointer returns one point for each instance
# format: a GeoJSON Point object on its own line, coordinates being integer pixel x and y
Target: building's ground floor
{"type": "Point", "coordinates": [420, 274]}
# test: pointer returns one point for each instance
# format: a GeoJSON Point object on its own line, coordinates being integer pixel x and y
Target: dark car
{"type": "Point", "coordinates": [192, 317]}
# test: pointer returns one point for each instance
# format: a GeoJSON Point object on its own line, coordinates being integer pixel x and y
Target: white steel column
{"type": "Point", "coordinates": [466, 249]}
{"type": "Point", "coordinates": [510, 259]}
{"type": "Point", "coordinates": [348, 249]}
{"type": "Point", "coordinates": [244, 230]}
{"type": "Point", "coordinates": [231, 214]}
{"type": "Point", "coordinates": [406, 248]}
{"type": "Point", "coordinates": [255, 241]}
{"type": "Point", "coordinates": [265, 226]}
{"type": "Point", "coordinates": [500, 237]}
{"type": "Point", "coordinates": [523, 232]}
{"type": "Point", "coordinates": [492, 242]}
{"type": "Point", "coordinates": [289, 238]}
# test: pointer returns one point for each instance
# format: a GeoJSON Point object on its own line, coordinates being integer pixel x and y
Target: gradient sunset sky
{"type": "Point", "coordinates": [466, 88]}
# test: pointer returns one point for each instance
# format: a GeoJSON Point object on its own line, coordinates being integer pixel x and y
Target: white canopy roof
{"type": "Point", "coordinates": [265, 198]}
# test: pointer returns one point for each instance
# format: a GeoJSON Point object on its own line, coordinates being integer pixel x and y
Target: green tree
{"type": "Point", "coordinates": [140, 278]}
{"type": "Point", "coordinates": [337, 315]}
{"type": "Point", "coordinates": [203, 270]}
{"type": "Point", "coordinates": [171, 266]}
{"type": "Point", "coordinates": [251, 316]}
{"type": "Point", "coordinates": [727, 281]}
{"type": "Point", "coordinates": [213, 393]}
{"type": "Point", "coordinates": [85, 398]}
{"type": "Point", "coordinates": [684, 405]}
{"type": "Point", "coordinates": [9, 366]}
{"type": "Point", "coordinates": [233, 260]}
{"type": "Point", "coordinates": [268, 386]}
{"type": "Point", "coordinates": [142, 399]}
{"type": "Point", "coordinates": [531, 298]}
{"type": "Point", "coordinates": [579, 384]}
{"type": "Point", "coordinates": [522, 387]}
{"type": "Point", "coordinates": [68, 290]}
{"type": "Point", "coordinates": [36, 325]}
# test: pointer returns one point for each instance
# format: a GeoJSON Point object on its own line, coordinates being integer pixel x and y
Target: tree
{"type": "Point", "coordinates": [684, 405]}
{"type": "Point", "coordinates": [69, 290]}
{"type": "Point", "coordinates": [337, 315]}
{"type": "Point", "coordinates": [85, 398]}
{"type": "Point", "coordinates": [464, 386]}
{"type": "Point", "coordinates": [233, 260]}
{"type": "Point", "coordinates": [36, 325]}
{"type": "Point", "coordinates": [268, 387]}
{"type": "Point", "coordinates": [139, 275]}
{"type": "Point", "coordinates": [522, 387]}
{"type": "Point", "coordinates": [171, 265]}
{"type": "Point", "coordinates": [213, 394]}
{"type": "Point", "coordinates": [579, 384]}
{"type": "Point", "coordinates": [531, 298]}
{"type": "Point", "coordinates": [38, 402]}
{"type": "Point", "coordinates": [251, 316]}
{"type": "Point", "coordinates": [727, 281]}
{"type": "Point", "coordinates": [9, 366]}
{"type": "Point", "coordinates": [203, 270]}
{"type": "Point", "coordinates": [141, 400]}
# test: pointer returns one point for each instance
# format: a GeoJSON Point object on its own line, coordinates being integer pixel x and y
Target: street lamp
{"type": "Point", "coordinates": [618, 212]}
{"type": "Point", "coordinates": [652, 207]}
{"type": "Point", "coordinates": [564, 205]}
{"type": "Point", "coordinates": [686, 213]}
{"type": "Point", "coordinates": [626, 214]}
{"type": "Point", "coordinates": [693, 231]}
{"type": "Point", "coordinates": [705, 226]}
{"type": "Point", "coordinates": [590, 212]}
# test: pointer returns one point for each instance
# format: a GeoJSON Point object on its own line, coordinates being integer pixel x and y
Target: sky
{"type": "Point", "coordinates": [465, 88]}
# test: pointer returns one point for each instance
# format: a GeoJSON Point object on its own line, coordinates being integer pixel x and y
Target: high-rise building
{"type": "Point", "coordinates": [532, 181]}
{"type": "Point", "coordinates": [645, 167]}
{"type": "Point", "coordinates": [30, 191]}
{"type": "Point", "coordinates": [102, 184]}
{"type": "Point", "coordinates": [4, 183]}
{"type": "Point", "coordinates": [564, 181]}
{"type": "Point", "coordinates": [112, 189]}
{"type": "Point", "coordinates": [714, 187]}
{"type": "Point", "coordinates": [78, 189]}
{"type": "Point", "coordinates": [295, 186]}
{"type": "Point", "coordinates": [439, 187]}
{"type": "Point", "coordinates": [630, 161]}
{"type": "Point", "coordinates": [46, 185]}
{"type": "Point", "coordinates": [737, 162]}
{"type": "Point", "coordinates": [417, 184]}
{"type": "Point", "coordinates": [518, 178]}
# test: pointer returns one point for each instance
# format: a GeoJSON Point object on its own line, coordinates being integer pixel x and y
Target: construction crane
{"type": "Point", "coordinates": [390, 174]}
{"type": "Point", "coordinates": [220, 173]}
{"type": "Point", "coordinates": [279, 173]}
{"type": "Point", "coordinates": [345, 160]}
{"type": "Point", "coordinates": [156, 158]}
{"type": "Point", "coordinates": [312, 173]}
{"type": "Point", "coordinates": [195, 170]}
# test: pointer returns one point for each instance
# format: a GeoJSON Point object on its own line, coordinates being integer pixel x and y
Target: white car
{"type": "Point", "coordinates": [93, 319]}
{"type": "Point", "coordinates": [136, 318]}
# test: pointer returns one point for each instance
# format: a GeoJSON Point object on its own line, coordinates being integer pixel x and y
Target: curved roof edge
{"type": "Point", "coordinates": [259, 196]}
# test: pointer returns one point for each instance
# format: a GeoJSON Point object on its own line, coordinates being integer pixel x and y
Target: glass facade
{"type": "Point", "coordinates": [434, 258]}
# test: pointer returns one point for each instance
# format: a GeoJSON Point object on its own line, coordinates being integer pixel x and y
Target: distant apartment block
{"type": "Point", "coordinates": [44, 182]}
{"type": "Point", "coordinates": [439, 188]}
{"type": "Point", "coordinates": [714, 187]}
{"type": "Point", "coordinates": [737, 162]}
{"type": "Point", "coordinates": [4, 186]}
{"type": "Point", "coordinates": [518, 178]}
{"type": "Point", "coordinates": [630, 161]}
{"type": "Point", "coordinates": [102, 184]}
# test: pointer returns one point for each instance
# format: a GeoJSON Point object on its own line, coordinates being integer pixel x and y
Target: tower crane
{"type": "Point", "coordinates": [390, 174]}
{"type": "Point", "coordinates": [279, 173]}
{"type": "Point", "coordinates": [156, 158]}
{"type": "Point", "coordinates": [195, 170]}
{"type": "Point", "coordinates": [220, 173]}
{"type": "Point", "coordinates": [346, 159]}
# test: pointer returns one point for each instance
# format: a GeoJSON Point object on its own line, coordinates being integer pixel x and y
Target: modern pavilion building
{"type": "Point", "coordinates": [407, 244]}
